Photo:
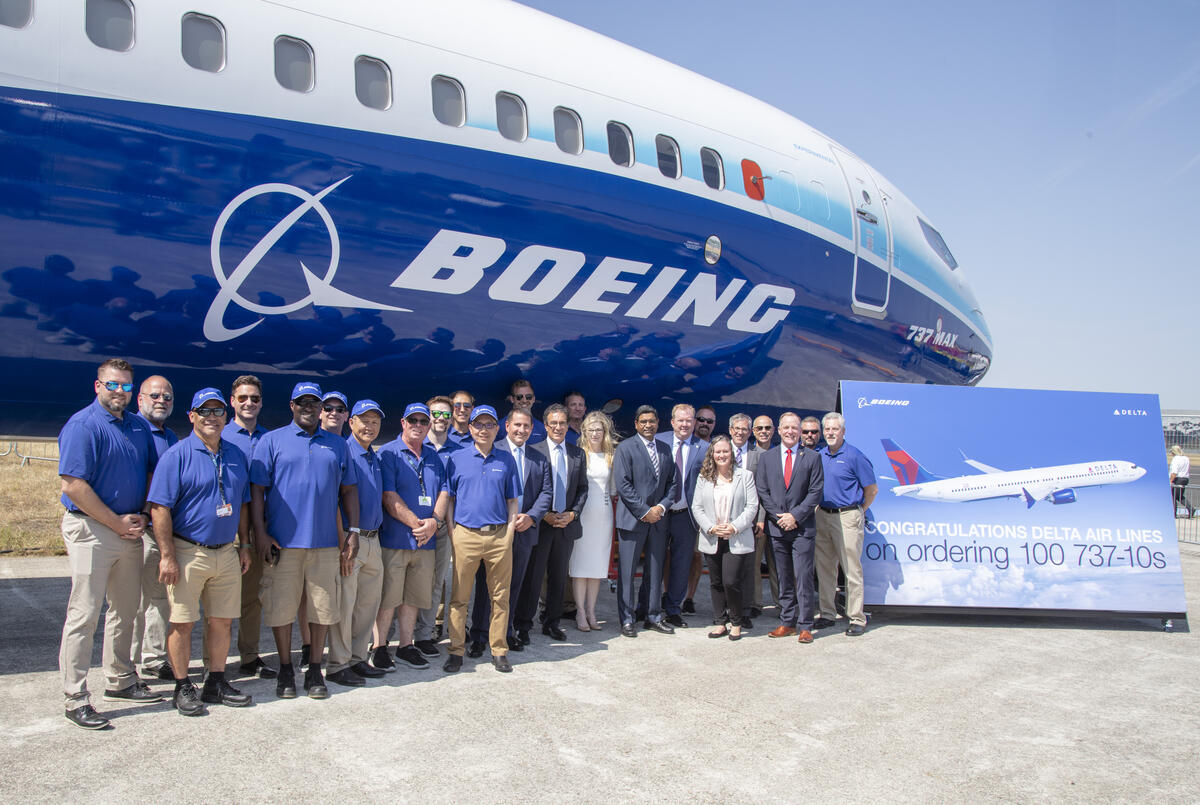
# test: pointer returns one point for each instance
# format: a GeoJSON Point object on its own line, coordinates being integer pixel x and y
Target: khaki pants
{"type": "Point", "coordinates": [102, 566]}
{"type": "Point", "coordinates": [250, 622]}
{"type": "Point", "coordinates": [361, 591]}
{"type": "Point", "coordinates": [150, 627]}
{"type": "Point", "coordinates": [493, 547]}
{"type": "Point", "coordinates": [840, 540]}
{"type": "Point", "coordinates": [435, 613]}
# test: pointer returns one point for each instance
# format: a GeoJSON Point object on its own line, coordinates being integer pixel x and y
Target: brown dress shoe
{"type": "Point", "coordinates": [805, 636]}
{"type": "Point", "coordinates": [782, 631]}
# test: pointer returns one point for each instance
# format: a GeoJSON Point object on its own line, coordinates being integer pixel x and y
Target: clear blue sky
{"type": "Point", "coordinates": [1055, 145]}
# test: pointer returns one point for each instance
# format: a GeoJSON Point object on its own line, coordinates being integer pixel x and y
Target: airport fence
{"type": "Point", "coordinates": [1187, 516]}
{"type": "Point", "coordinates": [31, 450]}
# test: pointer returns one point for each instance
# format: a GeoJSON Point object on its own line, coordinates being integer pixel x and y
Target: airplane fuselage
{"type": "Point", "coordinates": [1037, 483]}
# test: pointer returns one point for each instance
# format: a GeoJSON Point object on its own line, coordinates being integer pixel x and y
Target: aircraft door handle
{"type": "Point", "coordinates": [868, 217]}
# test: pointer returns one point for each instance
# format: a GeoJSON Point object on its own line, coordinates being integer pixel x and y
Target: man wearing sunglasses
{"type": "Point", "coordinates": [462, 403]}
{"type": "Point", "coordinates": [335, 410]}
{"type": "Point", "coordinates": [156, 402]}
{"type": "Point", "coordinates": [105, 461]}
{"type": "Point", "coordinates": [431, 620]}
{"type": "Point", "coordinates": [245, 431]}
{"type": "Point", "coordinates": [520, 395]}
{"type": "Point", "coordinates": [763, 430]}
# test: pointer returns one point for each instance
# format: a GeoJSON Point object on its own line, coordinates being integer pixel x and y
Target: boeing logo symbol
{"type": "Point", "coordinates": [320, 289]}
{"type": "Point", "coordinates": [863, 402]}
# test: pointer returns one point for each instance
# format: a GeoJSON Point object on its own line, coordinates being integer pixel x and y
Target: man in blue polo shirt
{"type": "Point", "coordinates": [849, 489]}
{"type": "Point", "coordinates": [415, 502]}
{"type": "Point", "coordinates": [199, 500]}
{"type": "Point", "coordinates": [431, 620]}
{"type": "Point", "coordinates": [486, 490]}
{"type": "Point", "coordinates": [298, 476]}
{"type": "Point", "coordinates": [105, 460]}
{"type": "Point", "coordinates": [362, 577]}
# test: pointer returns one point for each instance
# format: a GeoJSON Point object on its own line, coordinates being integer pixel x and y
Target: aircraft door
{"type": "Point", "coordinates": [872, 282]}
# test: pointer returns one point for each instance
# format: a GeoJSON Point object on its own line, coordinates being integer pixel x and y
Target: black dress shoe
{"type": "Point", "coordinates": [187, 701]}
{"type": "Point", "coordinates": [86, 716]}
{"type": "Point", "coordinates": [285, 685]}
{"type": "Point", "coordinates": [314, 683]}
{"type": "Point", "coordinates": [476, 649]}
{"type": "Point", "coordinates": [502, 664]}
{"type": "Point", "coordinates": [676, 621]}
{"type": "Point", "coordinates": [553, 630]}
{"type": "Point", "coordinates": [755, 612]}
{"type": "Point", "coordinates": [163, 672]}
{"type": "Point", "coordinates": [515, 644]}
{"type": "Point", "coordinates": [659, 626]}
{"type": "Point", "coordinates": [257, 667]}
{"type": "Point", "coordinates": [344, 677]}
{"type": "Point", "coordinates": [628, 630]}
{"type": "Point", "coordinates": [224, 693]}
{"type": "Point", "coordinates": [688, 606]}
{"type": "Point", "coordinates": [523, 636]}
{"type": "Point", "coordinates": [855, 630]}
{"type": "Point", "coordinates": [427, 647]}
{"type": "Point", "coordinates": [366, 671]}
{"type": "Point", "coordinates": [822, 623]}
{"type": "Point", "coordinates": [453, 664]}
{"type": "Point", "coordinates": [139, 692]}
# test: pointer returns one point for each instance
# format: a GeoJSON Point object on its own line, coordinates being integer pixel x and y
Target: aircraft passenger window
{"type": "Point", "coordinates": [568, 130]}
{"type": "Point", "coordinates": [668, 156]}
{"type": "Point", "coordinates": [295, 65]}
{"type": "Point", "coordinates": [109, 24]}
{"type": "Point", "coordinates": [449, 101]}
{"type": "Point", "coordinates": [620, 144]}
{"type": "Point", "coordinates": [373, 83]}
{"type": "Point", "coordinates": [934, 239]}
{"type": "Point", "coordinates": [16, 13]}
{"type": "Point", "coordinates": [203, 42]}
{"type": "Point", "coordinates": [510, 117]}
{"type": "Point", "coordinates": [713, 167]}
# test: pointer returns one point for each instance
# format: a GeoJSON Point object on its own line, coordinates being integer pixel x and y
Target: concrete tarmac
{"type": "Point", "coordinates": [920, 709]}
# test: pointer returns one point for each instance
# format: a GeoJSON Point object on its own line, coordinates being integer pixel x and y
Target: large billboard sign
{"type": "Point", "coordinates": [1016, 499]}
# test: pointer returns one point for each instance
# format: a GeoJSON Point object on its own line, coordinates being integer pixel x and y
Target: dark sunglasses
{"type": "Point", "coordinates": [333, 409]}
{"type": "Point", "coordinates": [764, 427]}
{"type": "Point", "coordinates": [440, 414]}
{"type": "Point", "coordinates": [249, 397]}
{"type": "Point", "coordinates": [205, 413]}
{"type": "Point", "coordinates": [706, 420]}
{"type": "Point", "coordinates": [810, 431]}
{"type": "Point", "coordinates": [464, 405]}
{"type": "Point", "coordinates": [522, 396]}
{"type": "Point", "coordinates": [113, 385]}
{"type": "Point", "coordinates": [165, 396]}
{"type": "Point", "coordinates": [422, 422]}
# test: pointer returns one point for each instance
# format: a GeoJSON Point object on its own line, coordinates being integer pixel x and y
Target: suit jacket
{"type": "Point", "coordinates": [637, 487]}
{"type": "Point", "coordinates": [753, 454]}
{"type": "Point", "coordinates": [801, 498]}
{"type": "Point", "coordinates": [742, 512]}
{"type": "Point", "coordinates": [537, 492]}
{"type": "Point", "coordinates": [697, 448]}
{"type": "Point", "coordinates": [577, 482]}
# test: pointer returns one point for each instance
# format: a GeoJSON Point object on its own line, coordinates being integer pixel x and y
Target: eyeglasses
{"type": "Point", "coordinates": [810, 432]}
{"type": "Point", "coordinates": [523, 397]}
{"type": "Point", "coordinates": [249, 397]}
{"type": "Point", "coordinates": [165, 396]}
{"type": "Point", "coordinates": [594, 430]}
{"type": "Point", "coordinates": [483, 425]}
{"type": "Point", "coordinates": [334, 409]}
{"type": "Point", "coordinates": [205, 413]}
{"type": "Point", "coordinates": [440, 414]}
{"type": "Point", "coordinates": [463, 405]}
{"type": "Point", "coordinates": [706, 420]}
{"type": "Point", "coordinates": [113, 385]}
{"type": "Point", "coordinates": [420, 423]}
{"type": "Point", "coordinates": [764, 427]}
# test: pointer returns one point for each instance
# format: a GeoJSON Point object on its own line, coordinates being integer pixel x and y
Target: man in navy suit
{"type": "Point", "coordinates": [790, 481]}
{"type": "Point", "coordinates": [533, 471]}
{"type": "Point", "coordinates": [559, 529]}
{"type": "Point", "coordinates": [687, 453]}
{"type": "Point", "coordinates": [644, 475]}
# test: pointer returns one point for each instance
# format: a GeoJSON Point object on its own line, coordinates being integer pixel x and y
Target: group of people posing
{"type": "Point", "coordinates": [356, 542]}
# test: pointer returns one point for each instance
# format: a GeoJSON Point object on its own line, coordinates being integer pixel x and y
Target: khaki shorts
{"type": "Point", "coordinates": [209, 577]}
{"type": "Point", "coordinates": [316, 571]}
{"type": "Point", "coordinates": [407, 578]}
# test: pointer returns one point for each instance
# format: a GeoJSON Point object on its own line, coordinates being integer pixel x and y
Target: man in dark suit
{"type": "Point", "coordinates": [687, 453]}
{"type": "Point", "coordinates": [559, 528]}
{"type": "Point", "coordinates": [644, 476]}
{"type": "Point", "coordinates": [790, 481]}
{"type": "Point", "coordinates": [533, 470]}
{"type": "Point", "coordinates": [746, 454]}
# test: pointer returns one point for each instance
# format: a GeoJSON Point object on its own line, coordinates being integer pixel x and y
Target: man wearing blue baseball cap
{"type": "Point", "coordinates": [298, 476]}
{"type": "Point", "coordinates": [486, 491]}
{"type": "Point", "coordinates": [335, 410]}
{"type": "Point", "coordinates": [199, 500]}
{"type": "Point", "coordinates": [362, 577]}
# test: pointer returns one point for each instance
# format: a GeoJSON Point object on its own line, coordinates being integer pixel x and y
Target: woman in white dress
{"type": "Point", "coordinates": [590, 556]}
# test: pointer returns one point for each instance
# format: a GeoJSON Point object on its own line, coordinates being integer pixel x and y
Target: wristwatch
{"type": "Point", "coordinates": [353, 530]}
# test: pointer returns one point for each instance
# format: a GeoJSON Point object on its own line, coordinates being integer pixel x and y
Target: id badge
{"type": "Point", "coordinates": [224, 510]}
{"type": "Point", "coordinates": [424, 500]}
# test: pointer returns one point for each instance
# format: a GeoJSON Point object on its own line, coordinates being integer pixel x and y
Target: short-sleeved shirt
{"type": "Point", "coordinates": [572, 437]}
{"type": "Point", "coordinates": [113, 454]}
{"type": "Point", "coordinates": [163, 437]}
{"type": "Point", "coordinates": [448, 447]}
{"type": "Point", "coordinates": [369, 477]}
{"type": "Point", "coordinates": [244, 439]}
{"type": "Point", "coordinates": [846, 473]}
{"type": "Point", "coordinates": [194, 483]}
{"type": "Point", "coordinates": [410, 476]}
{"type": "Point", "coordinates": [303, 472]}
{"type": "Point", "coordinates": [481, 486]}
{"type": "Point", "coordinates": [463, 439]}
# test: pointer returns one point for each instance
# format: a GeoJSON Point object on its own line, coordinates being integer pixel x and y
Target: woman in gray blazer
{"type": "Point", "coordinates": [724, 507]}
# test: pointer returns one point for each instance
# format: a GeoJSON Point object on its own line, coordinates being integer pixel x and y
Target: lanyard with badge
{"type": "Point", "coordinates": [419, 468]}
{"type": "Point", "coordinates": [226, 508]}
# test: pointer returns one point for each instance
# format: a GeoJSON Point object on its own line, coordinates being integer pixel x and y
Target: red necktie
{"type": "Point", "coordinates": [787, 470]}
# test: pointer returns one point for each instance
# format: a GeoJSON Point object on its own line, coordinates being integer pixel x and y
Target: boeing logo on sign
{"type": "Point", "coordinates": [320, 289]}
{"type": "Point", "coordinates": [863, 402]}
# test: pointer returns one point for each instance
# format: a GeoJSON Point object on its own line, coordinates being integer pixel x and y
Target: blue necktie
{"type": "Point", "coordinates": [560, 479]}
{"type": "Point", "coordinates": [521, 467]}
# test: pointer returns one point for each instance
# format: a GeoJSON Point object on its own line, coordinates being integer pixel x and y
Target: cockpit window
{"type": "Point", "coordinates": [938, 245]}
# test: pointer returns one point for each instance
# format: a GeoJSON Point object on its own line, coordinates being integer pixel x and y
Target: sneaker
{"type": "Point", "coordinates": [427, 647]}
{"type": "Point", "coordinates": [688, 607]}
{"type": "Point", "coordinates": [223, 693]}
{"type": "Point", "coordinates": [314, 683]}
{"type": "Point", "coordinates": [161, 672]}
{"type": "Point", "coordinates": [187, 701]}
{"type": "Point", "coordinates": [285, 685]}
{"type": "Point", "coordinates": [382, 660]}
{"type": "Point", "coordinates": [410, 657]}
{"type": "Point", "coordinates": [86, 716]}
{"type": "Point", "coordinates": [257, 667]}
{"type": "Point", "coordinates": [138, 692]}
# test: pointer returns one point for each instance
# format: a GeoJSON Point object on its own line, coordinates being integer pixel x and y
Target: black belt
{"type": "Point", "coordinates": [674, 512]}
{"type": "Point", "coordinates": [487, 529]}
{"type": "Point", "coordinates": [201, 544]}
{"type": "Point", "coordinates": [840, 509]}
{"type": "Point", "coordinates": [369, 533]}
